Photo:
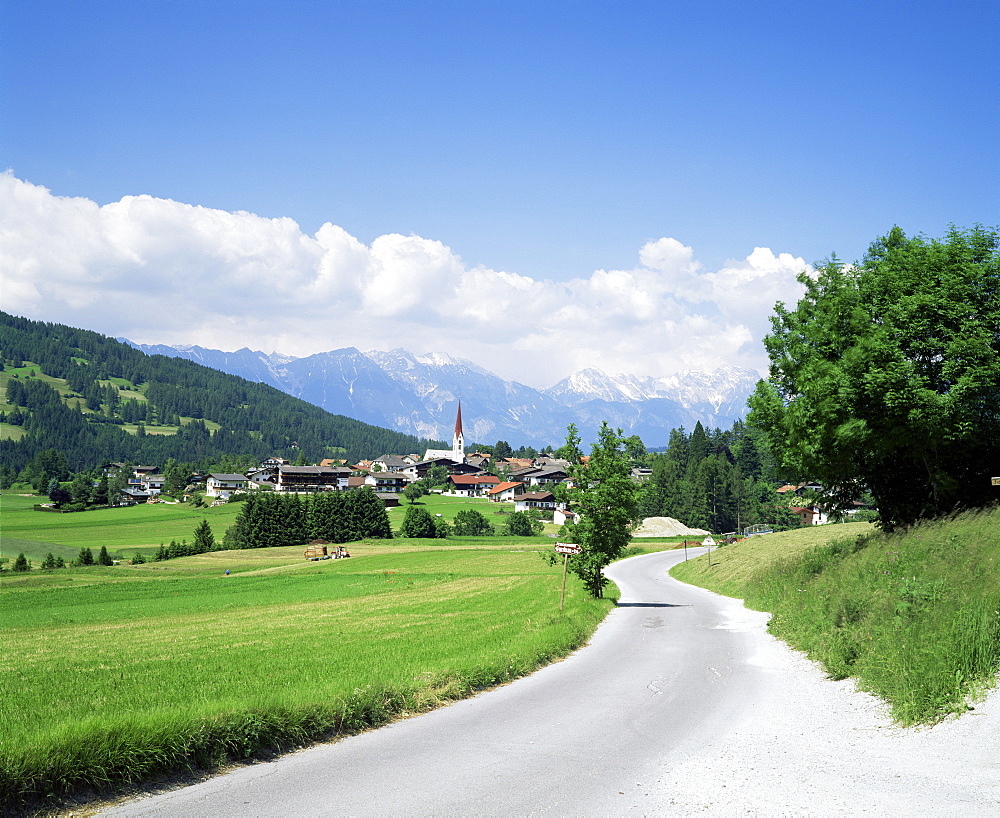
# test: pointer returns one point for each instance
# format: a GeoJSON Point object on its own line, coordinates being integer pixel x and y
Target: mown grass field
{"type": "Point", "coordinates": [143, 528]}
{"type": "Point", "coordinates": [125, 531]}
{"type": "Point", "coordinates": [914, 617]}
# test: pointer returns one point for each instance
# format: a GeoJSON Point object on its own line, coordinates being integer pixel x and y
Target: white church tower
{"type": "Point", "coordinates": [458, 441]}
{"type": "Point", "coordinates": [457, 450]}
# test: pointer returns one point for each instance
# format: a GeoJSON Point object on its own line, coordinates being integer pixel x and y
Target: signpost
{"type": "Point", "coordinates": [565, 548]}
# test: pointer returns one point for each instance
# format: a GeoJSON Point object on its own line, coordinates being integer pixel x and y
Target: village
{"type": "Point", "coordinates": [525, 482]}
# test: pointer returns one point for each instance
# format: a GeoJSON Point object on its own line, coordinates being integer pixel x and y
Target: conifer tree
{"type": "Point", "coordinates": [204, 540]}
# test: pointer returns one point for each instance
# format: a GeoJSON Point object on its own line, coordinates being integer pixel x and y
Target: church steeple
{"type": "Point", "coordinates": [458, 441]}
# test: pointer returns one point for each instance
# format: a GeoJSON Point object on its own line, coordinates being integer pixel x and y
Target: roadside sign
{"type": "Point", "coordinates": [995, 481]}
{"type": "Point", "coordinates": [708, 540]}
{"type": "Point", "coordinates": [565, 548]}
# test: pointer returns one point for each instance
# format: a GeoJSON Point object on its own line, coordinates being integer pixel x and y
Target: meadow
{"type": "Point", "coordinates": [123, 531]}
{"type": "Point", "coordinates": [913, 616]}
{"type": "Point", "coordinates": [112, 676]}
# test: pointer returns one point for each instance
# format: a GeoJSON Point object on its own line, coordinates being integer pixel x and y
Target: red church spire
{"type": "Point", "coordinates": [458, 421]}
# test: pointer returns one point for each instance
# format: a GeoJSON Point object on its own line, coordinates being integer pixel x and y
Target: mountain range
{"type": "Point", "coordinates": [418, 394]}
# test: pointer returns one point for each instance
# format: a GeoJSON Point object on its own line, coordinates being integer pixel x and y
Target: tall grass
{"type": "Point", "coordinates": [913, 616]}
{"type": "Point", "coordinates": [110, 677]}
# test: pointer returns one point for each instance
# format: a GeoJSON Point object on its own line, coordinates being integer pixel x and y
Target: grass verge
{"type": "Point", "coordinates": [914, 617]}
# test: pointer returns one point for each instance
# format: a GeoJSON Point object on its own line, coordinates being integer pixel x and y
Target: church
{"type": "Point", "coordinates": [457, 450]}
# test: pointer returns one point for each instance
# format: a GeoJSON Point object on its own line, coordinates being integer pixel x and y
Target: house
{"type": "Point", "coordinates": [153, 483]}
{"type": "Point", "coordinates": [273, 462]}
{"type": "Point", "coordinates": [471, 485]}
{"type": "Point", "coordinates": [562, 516]}
{"type": "Point", "coordinates": [223, 485]}
{"type": "Point", "coordinates": [385, 481]}
{"type": "Point", "coordinates": [810, 515]}
{"type": "Point", "coordinates": [550, 462]}
{"type": "Point", "coordinates": [479, 459]}
{"type": "Point", "coordinates": [389, 498]}
{"type": "Point", "coordinates": [419, 470]}
{"type": "Point", "coordinates": [505, 492]}
{"type": "Point", "coordinates": [514, 463]}
{"type": "Point", "coordinates": [536, 476]}
{"type": "Point", "coordinates": [545, 500]}
{"type": "Point", "coordinates": [264, 475]}
{"type": "Point", "coordinates": [391, 462]}
{"type": "Point", "coordinates": [131, 496]}
{"type": "Point", "coordinates": [311, 478]}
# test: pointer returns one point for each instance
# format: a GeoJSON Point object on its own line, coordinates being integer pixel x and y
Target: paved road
{"type": "Point", "coordinates": [662, 679]}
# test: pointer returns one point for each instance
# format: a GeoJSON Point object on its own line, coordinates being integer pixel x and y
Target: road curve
{"type": "Point", "coordinates": [679, 695]}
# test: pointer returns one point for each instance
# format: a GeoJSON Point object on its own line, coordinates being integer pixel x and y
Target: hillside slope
{"type": "Point", "coordinates": [96, 399]}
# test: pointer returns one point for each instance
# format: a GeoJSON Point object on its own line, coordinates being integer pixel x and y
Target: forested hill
{"type": "Point", "coordinates": [95, 399]}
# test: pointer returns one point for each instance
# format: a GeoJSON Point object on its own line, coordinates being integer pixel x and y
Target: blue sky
{"type": "Point", "coordinates": [540, 140]}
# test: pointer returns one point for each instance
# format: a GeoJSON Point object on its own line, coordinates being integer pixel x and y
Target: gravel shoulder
{"type": "Point", "coordinates": [812, 746]}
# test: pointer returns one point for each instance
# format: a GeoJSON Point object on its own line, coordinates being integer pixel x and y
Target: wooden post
{"type": "Point", "coordinates": [562, 598]}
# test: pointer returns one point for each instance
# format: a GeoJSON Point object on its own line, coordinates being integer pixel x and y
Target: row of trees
{"type": "Point", "coordinates": [85, 557]}
{"type": "Point", "coordinates": [714, 479]}
{"type": "Point", "coordinates": [269, 520]}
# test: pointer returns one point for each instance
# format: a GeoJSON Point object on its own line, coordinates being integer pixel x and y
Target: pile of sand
{"type": "Point", "coordinates": [667, 527]}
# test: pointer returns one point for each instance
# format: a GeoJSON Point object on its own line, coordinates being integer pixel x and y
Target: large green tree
{"type": "Point", "coordinates": [606, 497]}
{"type": "Point", "coordinates": [886, 376]}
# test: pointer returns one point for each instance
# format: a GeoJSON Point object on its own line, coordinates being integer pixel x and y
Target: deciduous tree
{"type": "Point", "coordinates": [886, 376]}
{"type": "Point", "coordinates": [417, 522]}
{"type": "Point", "coordinates": [605, 495]}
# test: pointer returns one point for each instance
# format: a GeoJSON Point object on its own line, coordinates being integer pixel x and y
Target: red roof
{"type": "Point", "coordinates": [502, 487]}
{"type": "Point", "coordinates": [473, 479]}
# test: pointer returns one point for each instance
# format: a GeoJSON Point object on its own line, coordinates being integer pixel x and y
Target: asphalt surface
{"type": "Point", "coordinates": [659, 678]}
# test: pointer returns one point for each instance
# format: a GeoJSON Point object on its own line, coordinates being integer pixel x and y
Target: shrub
{"type": "Point", "coordinates": [522, 524]}
{"type": "Point", "coordinates": [471, 523]}
{"type": "Point", "coordinates": [418, 523]}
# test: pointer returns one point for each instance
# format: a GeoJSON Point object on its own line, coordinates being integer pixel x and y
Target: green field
{"type": "Point", "coordinates": [143, 528]}
{"type": "Point", "coordinates": [123, 531]}
{"type": "Point", "coordinates": [112, 675]}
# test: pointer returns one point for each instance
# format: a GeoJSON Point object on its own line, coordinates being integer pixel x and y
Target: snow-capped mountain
{"type": "Point", "coordinates": [418, 394]}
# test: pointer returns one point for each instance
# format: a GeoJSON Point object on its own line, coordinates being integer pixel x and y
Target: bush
{"type": "Point", "coordinates": [522, 524]}
{"type": "Point", "coordinates": [471, 523]}
{"type": "Point", "coordinates": [418, 523]}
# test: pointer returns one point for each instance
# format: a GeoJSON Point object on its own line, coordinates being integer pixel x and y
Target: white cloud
{"type": "Point", "coordinates": [160, 271]}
